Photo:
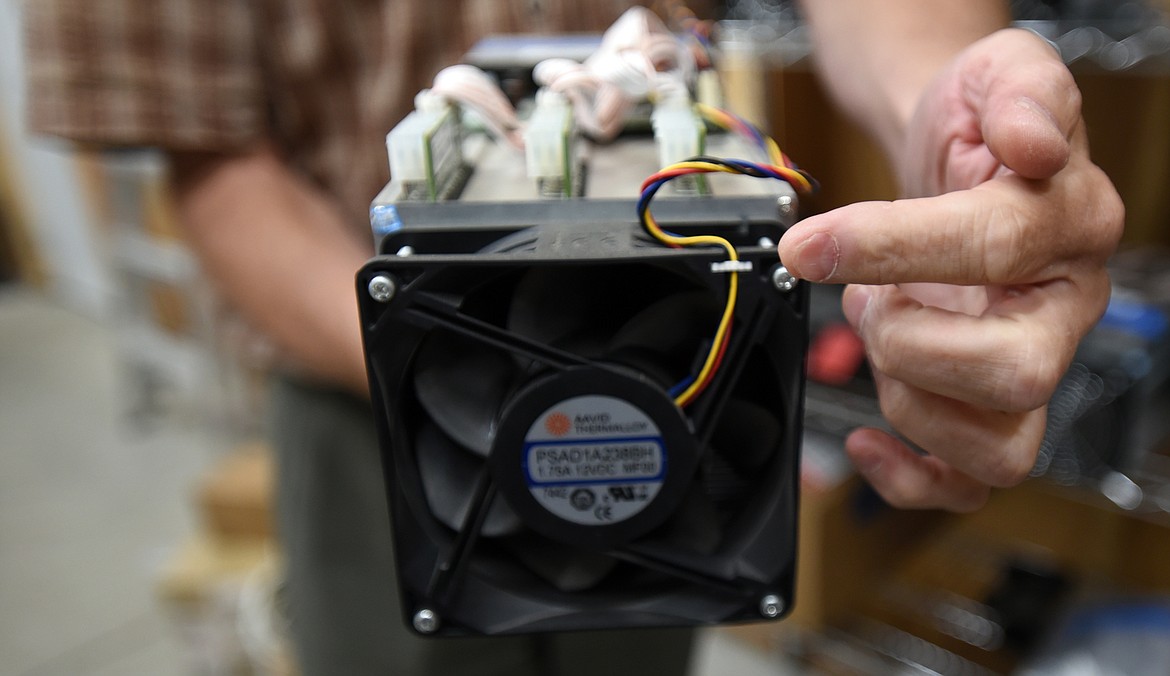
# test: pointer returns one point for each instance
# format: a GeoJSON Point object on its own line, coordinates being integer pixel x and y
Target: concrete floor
{"type": "Point", "coordinates": [91, 505]}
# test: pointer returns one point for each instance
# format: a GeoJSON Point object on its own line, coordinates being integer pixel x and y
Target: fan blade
{"type": "Point", "coordinates": [462, 384]}
{"type": "Point", "coordinates": [664, 340]}
{"type": "Point", "coordinates": [449, 474]}
{"type": "Point", "coordinates": [672, 327]}
{"type": "Point", "coordinates": [563, 567]}
{"type": "Point", "coordinates": [648, 363]}
{"type": "Point", "coordinates": [721, 481]}
{"type": "Point", "coordinates": [570, 310]}
{"type": "Point", "coordinates": [696, 523]}
{"type": "Point", "coordinates": [746, 434]}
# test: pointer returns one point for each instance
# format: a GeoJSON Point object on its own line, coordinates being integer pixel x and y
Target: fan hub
{"type": "Point", "coordinates": [593, 456]}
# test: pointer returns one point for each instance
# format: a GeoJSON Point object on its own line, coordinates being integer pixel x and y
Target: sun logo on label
{"type": "Point", "coordinates": [558, 424]}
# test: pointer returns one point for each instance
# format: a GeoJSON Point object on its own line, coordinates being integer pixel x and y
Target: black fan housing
{"type": "Point", "coordinates": [539, 473]}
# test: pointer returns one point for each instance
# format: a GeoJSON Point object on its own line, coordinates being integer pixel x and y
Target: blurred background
{"type": "Point", "coordinates": [135, 529]}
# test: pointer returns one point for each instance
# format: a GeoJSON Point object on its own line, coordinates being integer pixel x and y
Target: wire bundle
{"type": "Point", "coordinates": [782, 168]}
{"type": "Point", "coordinates": [476, 90]}
{"type": "Point", "coordinates": [636, 56]}
{"type": "Point", "coordinates": [780, 162]}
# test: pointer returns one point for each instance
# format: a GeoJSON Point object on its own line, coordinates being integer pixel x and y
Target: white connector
{"type": "Point", "coordinates": [708, 89]}
{"type": "Point", "coordinates": [425, 149]}
{"type": "Point", "coordinates": [548, 144]}
{"type": "Point", "coordinates": [679, 132]}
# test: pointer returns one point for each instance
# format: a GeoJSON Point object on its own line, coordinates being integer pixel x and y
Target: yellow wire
{"type": "Point", "coordinates": [776, 157]}
{"type": "Point", "coordinates": [724, 120]}
{"type": "Point", "coordinates": [714, 115]}
{"type": "Point", "coordinates": [720, 335]}
{"type": "Point", "coordinates": [688, 394]}
{"type": "Point", "coordinates": [793, 176]}
{"type": "Point", "coordinates": [774, 153]}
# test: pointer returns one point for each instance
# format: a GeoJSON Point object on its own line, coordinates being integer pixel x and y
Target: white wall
{"type": "Point", "coordinates": [61, 225]}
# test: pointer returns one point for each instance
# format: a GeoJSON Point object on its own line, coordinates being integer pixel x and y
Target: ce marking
{"type": "Point", "coordinates": [603, 513]}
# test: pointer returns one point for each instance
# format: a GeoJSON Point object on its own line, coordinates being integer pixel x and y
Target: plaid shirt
{"type": "Point", "coordinates": [324, 79]}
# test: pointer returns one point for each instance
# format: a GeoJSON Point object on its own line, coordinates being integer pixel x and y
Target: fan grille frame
{"type": "Point", "coordinates": [393, 331]}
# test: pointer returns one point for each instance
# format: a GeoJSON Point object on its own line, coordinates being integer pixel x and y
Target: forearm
{"type": "Point", "coordinates": [280, 252]}
{"type": "Point", "coordinates": [876, 56]}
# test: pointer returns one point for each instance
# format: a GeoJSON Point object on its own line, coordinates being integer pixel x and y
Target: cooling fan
{"type": "Point", "coordinates": [540, 475]}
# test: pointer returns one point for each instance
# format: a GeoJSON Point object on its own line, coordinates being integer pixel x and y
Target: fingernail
{"type": "Point", "coordinates": [865, 452]}
{"type": "Point", "coordinates": [1047, 150]}
{"type": "Point", "coordinates": [816, 258]}
{"type": "Point", "coordinates": [854, 302]}
{"type": "Point", "coordinates": [1041, 113]}
{"type": "Point", "coordinates": [1046, 119]}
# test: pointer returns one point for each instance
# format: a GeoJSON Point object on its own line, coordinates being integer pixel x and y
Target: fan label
{"type": "Point", "coordinates": [594, 460]}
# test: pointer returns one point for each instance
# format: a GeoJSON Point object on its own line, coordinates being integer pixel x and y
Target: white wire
{"type": "Point", "coordinates": [638, 56]}
{"type": "Point", "coordinates": [635, 55]}
{"type": "Point", "coordinates": [475, 89]}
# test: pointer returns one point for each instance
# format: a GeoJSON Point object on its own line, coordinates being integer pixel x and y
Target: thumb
{"type": "Point", "coordinates": [1027, 101]}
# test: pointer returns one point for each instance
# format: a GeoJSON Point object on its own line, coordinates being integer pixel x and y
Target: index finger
{"type": "Point", "coordinates": [995, 233]}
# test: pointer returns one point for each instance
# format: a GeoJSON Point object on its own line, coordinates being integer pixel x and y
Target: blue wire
{"type": "Point", "coordinates": [681, 386]}
{"type": "Point", "coordinates": [644, 201]}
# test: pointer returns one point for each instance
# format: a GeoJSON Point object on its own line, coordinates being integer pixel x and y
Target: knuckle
{"type": "Point", "coordinates": [1010, 461]}
{"type": "Point", "coordinates": [1108, 220]}
{"type": "Point", "coordinates": [1008, 465]}
{"type": "Point", "coordinates": [884, 355]}
{"type": "Point", "coordinates": [895, 407]}
{"type": "Point", "coordinates": [1036, 377]}
{"type": "Point", "coordinates": [1006, 245]}
{"type": "Point", "coordinates": [1026, 236]}
{"type": "Point", "coordinates": [886, 250]}
{"type": "Point", "coordinates": [1094, 218]}
{"type": "Point", "coordinates": [1092, 294]}
{"type": "Point", "coordinates": [1057, 76]}
{"type": "Point", "coordinates": [1034, 361]}
{"type": "Point", "coordinates": [885, 341]}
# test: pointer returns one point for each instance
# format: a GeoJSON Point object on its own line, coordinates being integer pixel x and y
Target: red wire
{"type": "Point", "coordinates": [714, 367]}
{"type": "Point", "coordinates": [669, 173]}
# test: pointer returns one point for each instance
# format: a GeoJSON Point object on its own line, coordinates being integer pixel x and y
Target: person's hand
{"type": "Point", "coordinates": [972, 293]}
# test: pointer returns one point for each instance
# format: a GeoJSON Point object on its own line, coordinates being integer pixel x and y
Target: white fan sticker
{"type": "Point", "coordinates": [594, 460]}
